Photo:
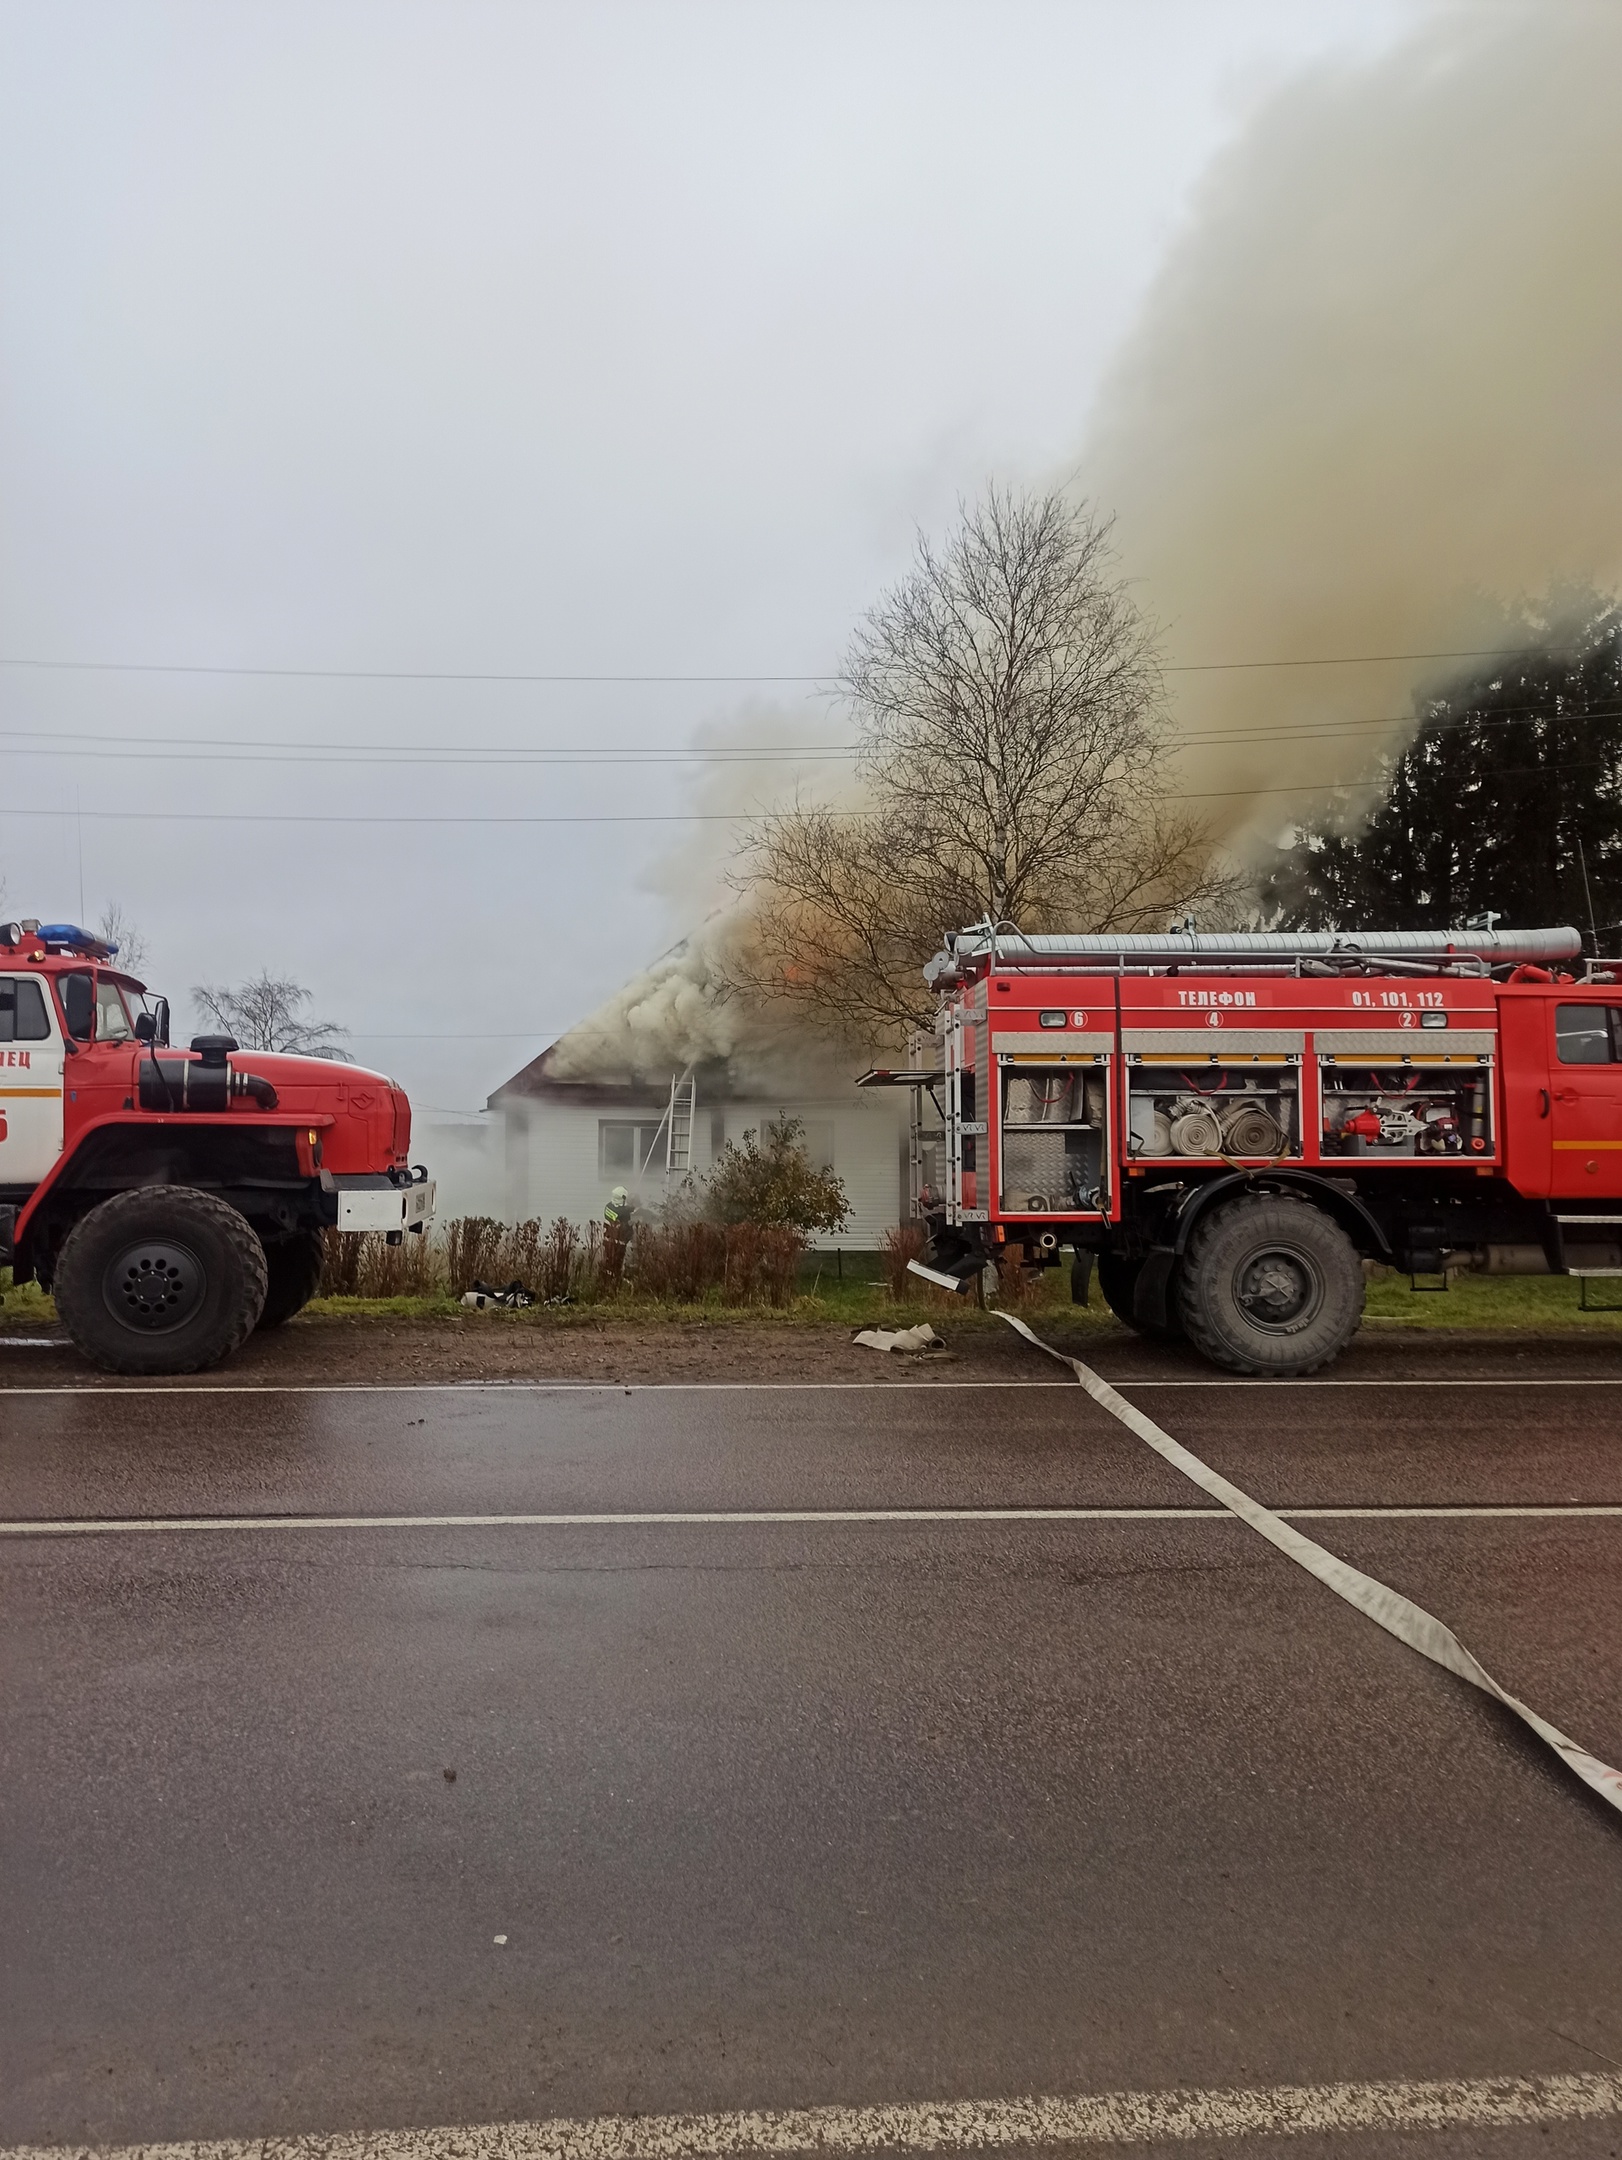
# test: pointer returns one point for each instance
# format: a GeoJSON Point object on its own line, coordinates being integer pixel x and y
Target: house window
{"type": "Point", "coordinates": [626, 1147]}
{"type": "Point", "coordinates": [818, 1142]}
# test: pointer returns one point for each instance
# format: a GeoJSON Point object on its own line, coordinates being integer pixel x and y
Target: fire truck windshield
{"type": "Point", "coordinates": [112, 1021]}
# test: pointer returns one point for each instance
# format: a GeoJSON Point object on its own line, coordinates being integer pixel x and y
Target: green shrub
{"type": "Point", "coordinates": [775, 1185]}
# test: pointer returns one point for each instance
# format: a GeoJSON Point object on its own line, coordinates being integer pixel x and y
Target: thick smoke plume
{"type": "Point", "coordinates": [680, 1011]}
{"type": "Point", "coordinates": [1372, 406]}
{"type": "Point", "coordinates": [1373, 400]}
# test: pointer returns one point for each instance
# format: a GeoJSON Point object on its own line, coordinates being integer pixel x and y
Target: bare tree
{"type": "Point", "coordinates": [266, 1013]}
{"type": "Point", "coordinates": [117, 929]}
{"type": "Point", "coordinates": [1008, 703]}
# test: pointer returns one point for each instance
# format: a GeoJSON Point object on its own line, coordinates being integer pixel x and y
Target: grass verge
{"type": "Point", "coordinates": [1524, 1304]}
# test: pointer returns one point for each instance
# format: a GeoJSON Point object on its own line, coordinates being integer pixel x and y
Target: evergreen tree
{"type": "Point", "coordinates": [1508, 797]}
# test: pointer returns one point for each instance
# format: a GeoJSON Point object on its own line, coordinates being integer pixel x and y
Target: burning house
{"type": "Point", "coordinates": [648, 1091]}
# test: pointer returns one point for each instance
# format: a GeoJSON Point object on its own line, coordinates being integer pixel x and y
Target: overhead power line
{"type": "Point", "coordinates": [222, 749]}
{"type": "Point", "coordinates": [448, 1035]}
{"type": "Point", "coordinates": [475, 675]}
{"type": "Point", "coordinates": [1480, 652]}
{"type": "Point", "coordinates": [261, 751]}
{"type": "Point", "coordinates": [724, 817]}
{"type": "Point", "coordinates": [443, 817]}
{"type": "Point", "coordinates": [316, 674]}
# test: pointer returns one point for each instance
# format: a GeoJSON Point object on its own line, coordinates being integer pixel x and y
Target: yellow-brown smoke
{"type": "Point", "coordinates": [1376, 393]}
{"type": "Point", "coordinates": [1374, 398]}
{"type": "Point", "coordinates": [679, 1012]}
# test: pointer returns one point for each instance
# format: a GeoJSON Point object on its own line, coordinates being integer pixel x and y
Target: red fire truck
{"type": "Point", "coordinates": [173, 1201]}
{"type": "Point", "coordinates": [1228, 1125]}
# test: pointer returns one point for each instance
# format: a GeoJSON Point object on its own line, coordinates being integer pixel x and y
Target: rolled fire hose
{"type": "Point", "coordinates": [1248, 1129]}
{"type": "Point", "coordinates": [1196, 1132]}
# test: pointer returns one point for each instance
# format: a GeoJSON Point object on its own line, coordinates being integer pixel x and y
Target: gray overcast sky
{"type": "Point", "coordinates": [481, 338]}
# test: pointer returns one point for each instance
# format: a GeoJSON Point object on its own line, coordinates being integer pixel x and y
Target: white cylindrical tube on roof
{"type": "Point", "coordinates": [1012, 948]}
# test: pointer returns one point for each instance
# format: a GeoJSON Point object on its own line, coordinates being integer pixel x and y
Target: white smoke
{"type": "Point", "coordinates": [670, 1016]}
{"type": "Point", "coordinates": [679, 1012]}
{"type": "Point", "coordinates": [1372, 403]}
{"type": "Point", "coordinates": [1373, 400]}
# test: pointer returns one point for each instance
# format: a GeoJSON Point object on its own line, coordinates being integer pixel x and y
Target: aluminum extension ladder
{"type": "Point", "coordinates": [679, 1119]}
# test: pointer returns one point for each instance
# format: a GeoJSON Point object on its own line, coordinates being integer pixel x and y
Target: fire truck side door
{"type": "Point", "coordinates": [30, 1081]}
{"type": "Point", "coordinates": [1526, 1051]}
{"type": "Point", "coordinates": [1585, 1089]}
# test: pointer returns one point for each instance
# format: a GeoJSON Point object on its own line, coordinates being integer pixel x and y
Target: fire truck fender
{"type": "Point", "coordinates": [1343, 1206]}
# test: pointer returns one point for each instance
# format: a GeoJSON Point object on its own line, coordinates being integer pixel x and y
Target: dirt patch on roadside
{"type": "Point", "coordinates": [493, 1348]}
{"type": "Point", "coordinates": [496, 1348]}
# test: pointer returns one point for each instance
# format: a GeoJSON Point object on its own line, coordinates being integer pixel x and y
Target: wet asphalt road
{"type": "Point", "coordinates": [787, 1813]}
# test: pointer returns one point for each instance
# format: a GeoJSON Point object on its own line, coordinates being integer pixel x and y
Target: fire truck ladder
{"type": "Point", "coordinates": [679, 1117]}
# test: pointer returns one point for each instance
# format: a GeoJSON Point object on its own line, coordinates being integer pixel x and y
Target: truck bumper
{"type": "Point", "coordinates": [376, 1203]}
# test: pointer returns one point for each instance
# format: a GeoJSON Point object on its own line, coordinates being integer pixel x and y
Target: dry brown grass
{"type": "Point", "coordinates": [905, 1242]}
{"type": "Point", "coordinates": [682, 1263]}
{"type": "Point", "coordinates": [1016, 1283]}
{"type": "Point", "coordinates": [368, 1266]}
{"type": "Point", "coordinates": [749, 1263]}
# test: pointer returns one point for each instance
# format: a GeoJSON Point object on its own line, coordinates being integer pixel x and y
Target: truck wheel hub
{"type": "Point", "coordinates": [1278, 1289]}
{"type": "Point", "coordinates": [153, 1286]}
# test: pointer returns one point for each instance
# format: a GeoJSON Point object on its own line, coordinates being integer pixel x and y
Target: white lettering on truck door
{"type": "Point", "coordinates": [30, 1081]}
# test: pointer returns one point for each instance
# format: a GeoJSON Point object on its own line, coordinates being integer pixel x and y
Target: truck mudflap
{"type": "Point", "coordinates": [378, 1203]}
{"type": "Point", "coordinates": [1150, 1299]}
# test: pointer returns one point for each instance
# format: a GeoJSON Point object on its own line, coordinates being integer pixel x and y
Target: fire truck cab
{"type": "Point", "coordinates": [173, 1201]}
{"type": "Point", "coordinates": [1227, 1125]}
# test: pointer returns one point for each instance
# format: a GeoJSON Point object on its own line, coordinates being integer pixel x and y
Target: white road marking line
{"type": "Point", "coordinates": [1467, 1380]}
{"type": "Point", "coordinates": [113, 1388]}
{"type": "Point", "coordinates": [1118, 2118]}
{"type": "Point", "coordinates": [1387, 1608]}
{"type": "Point", "coordinates": [113, 1525]}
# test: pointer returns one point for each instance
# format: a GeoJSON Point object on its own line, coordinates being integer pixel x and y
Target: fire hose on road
{"type": "Point", "coordinates": [1387, 1608]}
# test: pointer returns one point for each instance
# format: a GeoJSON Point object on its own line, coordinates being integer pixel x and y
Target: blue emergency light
{"type": "Point", "coordinates": [72, 939]}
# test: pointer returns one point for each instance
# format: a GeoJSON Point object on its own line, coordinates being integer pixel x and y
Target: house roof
{"type": "Point", "coordinates": [678, 1018]}
{"type": "Point", "coordinates": [538, 1081]}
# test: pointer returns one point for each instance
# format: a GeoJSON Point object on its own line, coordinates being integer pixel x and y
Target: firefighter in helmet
{"type": "Point", "coordinates": [619, 1219]}
{"type": "Point", "coordinates": [619, 1212]}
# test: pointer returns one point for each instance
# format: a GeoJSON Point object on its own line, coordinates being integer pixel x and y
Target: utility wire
{"type": "Point", "coordinates": [1183, 667]}
{"type": "Point", "coordinates": [451, 1035]}
{"type": "Point", "coordinates": [300, 674]}
{"type": "Point", "coordinates": [679, 817]}
{"type": "Point", "coordinates": [447, 817]}
{"type": "Point", "coordinates": [222, 749]}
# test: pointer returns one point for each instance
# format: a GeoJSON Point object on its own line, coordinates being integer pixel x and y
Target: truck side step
{"type": "Point", "coordinates": [958, 1283]}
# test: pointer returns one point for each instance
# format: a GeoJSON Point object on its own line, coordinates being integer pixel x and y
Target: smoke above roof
{"type": "Point", "coordinates": [1371, 404]}
{"type": "Point", "coordinates": [1370, 408]}
{"type": "Point", "coordinates": [680, 1014]}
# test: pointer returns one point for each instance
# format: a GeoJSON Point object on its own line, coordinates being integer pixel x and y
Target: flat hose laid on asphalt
{"type": "Point", "coordinates": [1387, 1608]}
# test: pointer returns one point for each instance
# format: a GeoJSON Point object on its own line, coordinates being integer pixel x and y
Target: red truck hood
{"type": "Point", "coordinates": [373, 1129]}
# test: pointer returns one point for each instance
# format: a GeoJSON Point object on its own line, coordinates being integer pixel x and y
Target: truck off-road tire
{"type": "Point", "coordinates": [160, 1280]}
{"type": "Point", "coordinates": [1118, 1280]}
{"type": "Point", "coordinates": [294, 1267]}
{"type": "Point", "coordinates": [1270, 1286]}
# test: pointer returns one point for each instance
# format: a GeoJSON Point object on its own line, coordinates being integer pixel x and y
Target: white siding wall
{"type": "Point", "coordinates": [466, 1162]}
{"type": "Point", "coordinates": [552, 1156]}
{"type": "Point", "coordinates": [555, 1172]}
{"type": "Point", "coordinates": [869, 1137]}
